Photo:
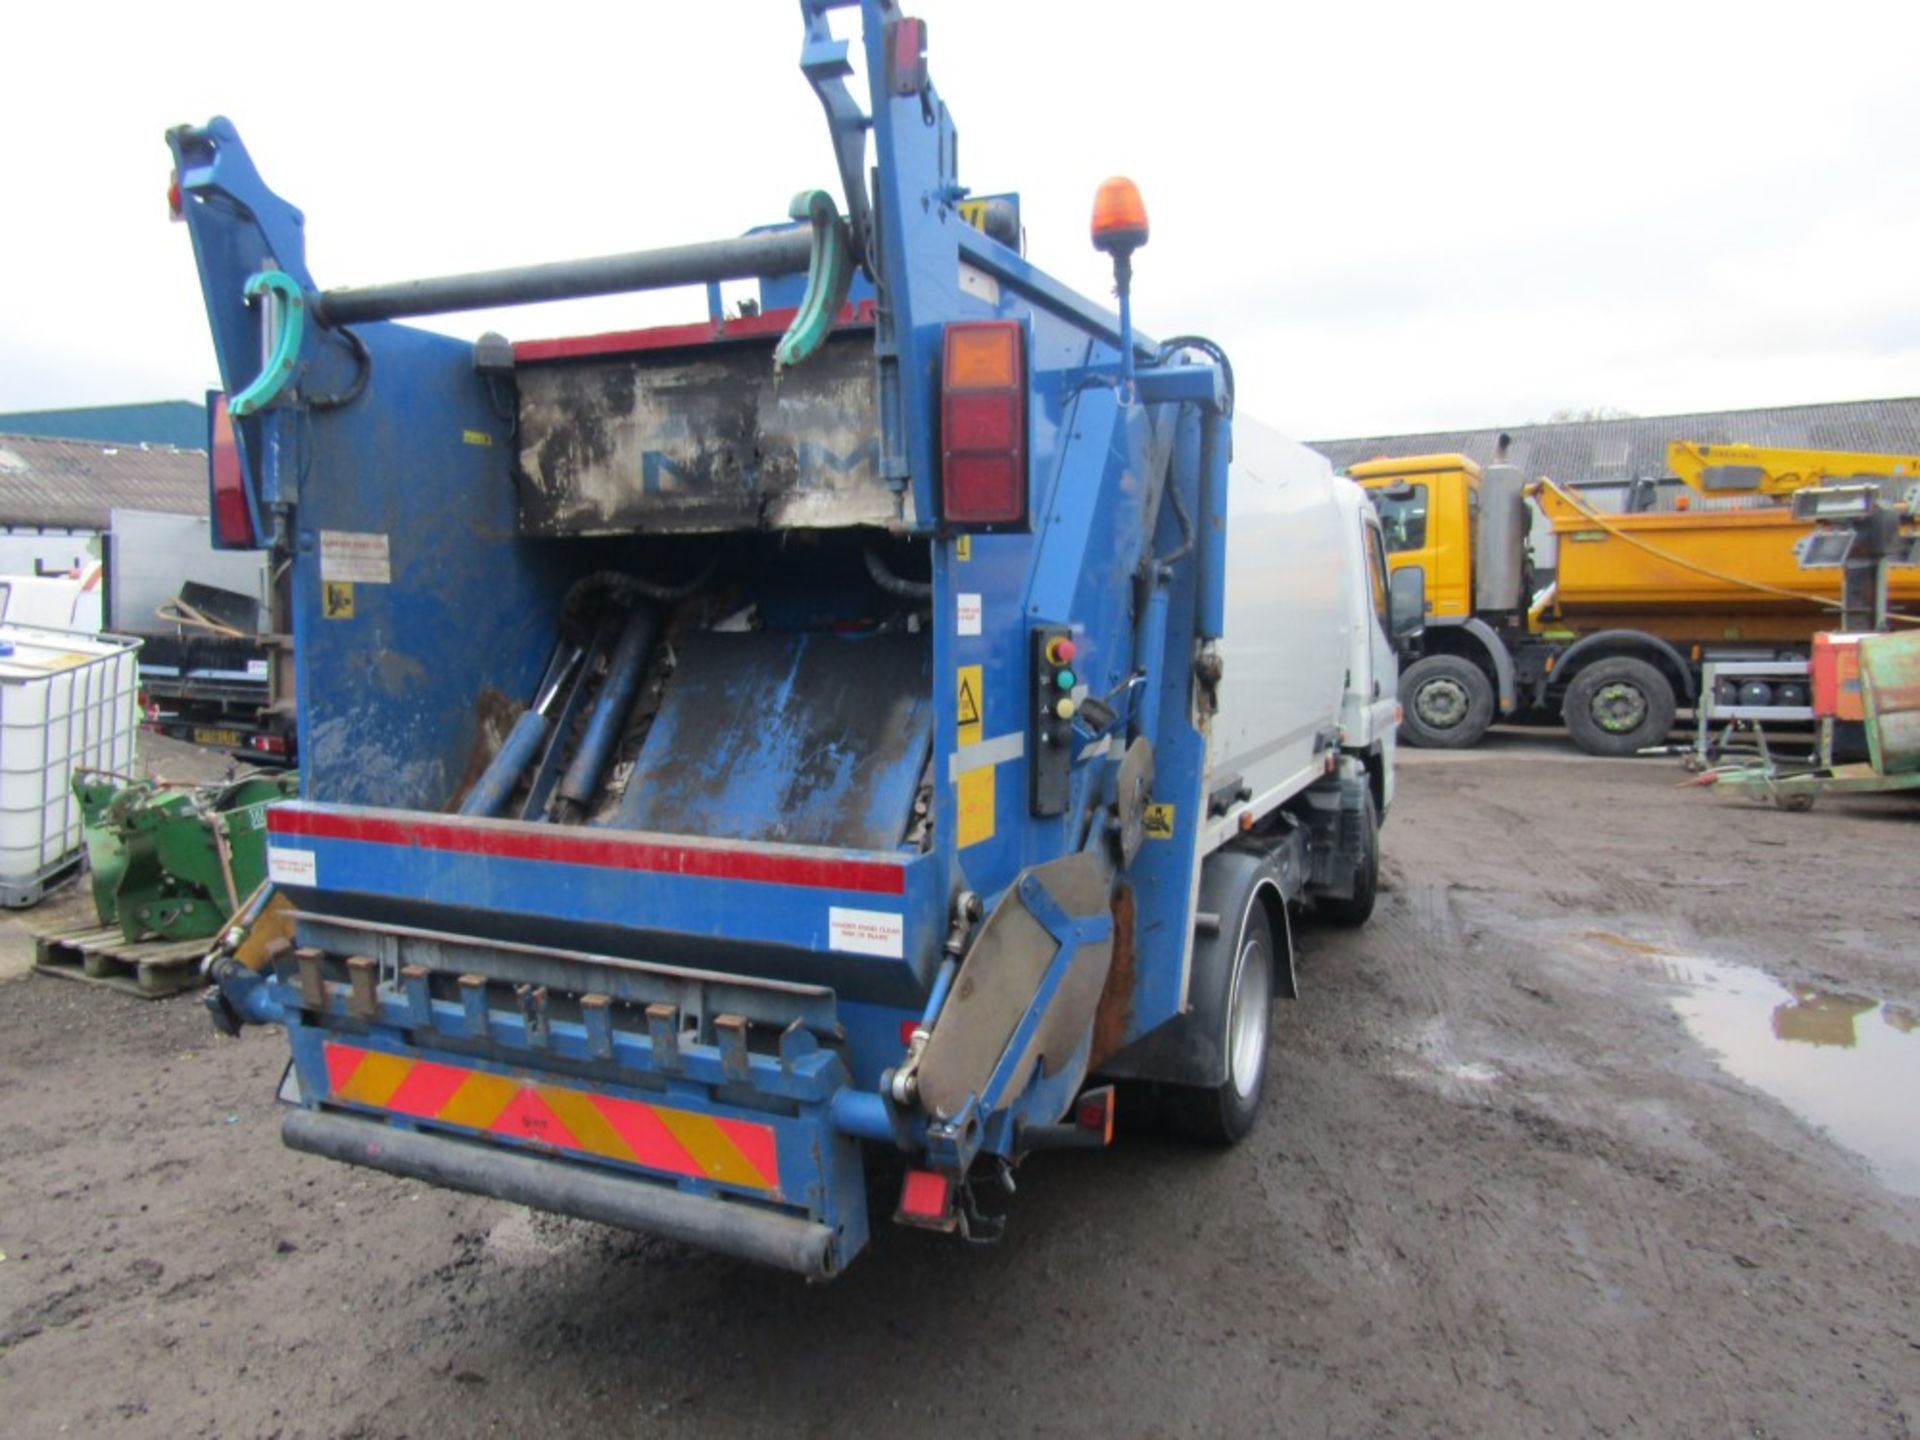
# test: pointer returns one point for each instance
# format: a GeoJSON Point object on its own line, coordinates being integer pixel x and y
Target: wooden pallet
{"type": "Point", "coordinates": [102, 956]}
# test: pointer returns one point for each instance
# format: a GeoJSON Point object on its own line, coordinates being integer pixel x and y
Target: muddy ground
{"type": "Point", "coordinates": [1500, 1189]}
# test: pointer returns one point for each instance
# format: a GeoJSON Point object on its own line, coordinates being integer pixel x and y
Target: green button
{"type": "Point", "coordinates": [1064, 679]}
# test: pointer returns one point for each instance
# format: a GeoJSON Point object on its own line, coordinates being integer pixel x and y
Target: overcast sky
{"type": "Point", "coordinates": [1393, 217]}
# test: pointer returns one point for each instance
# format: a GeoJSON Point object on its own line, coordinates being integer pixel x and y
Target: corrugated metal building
{"type": "Point", "coordinates": [57, 499]}
{"type": "Point", "coordinates": [48, 484]}
{"type": "Point", "coordinates": [1605, 456]}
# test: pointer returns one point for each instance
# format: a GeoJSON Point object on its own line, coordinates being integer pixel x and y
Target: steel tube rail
{"type": "Point", "coordinates": [787, 1241]}
{"type": "Point", "coordinates": [779, 252]}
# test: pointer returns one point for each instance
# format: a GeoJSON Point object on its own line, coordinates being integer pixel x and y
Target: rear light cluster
{"type": "Point", "coordinates": [268, 744]}
{"type": "Point", "coordinates": [983, 425]}
{"type": "Point", "coordinates": [232, 516]}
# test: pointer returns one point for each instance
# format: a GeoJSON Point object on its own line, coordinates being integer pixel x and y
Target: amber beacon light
{"type": "Point", "coordinates": [1119, 216]}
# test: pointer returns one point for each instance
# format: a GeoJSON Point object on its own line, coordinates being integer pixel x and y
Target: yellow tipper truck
{"type": "Point", "coordinates": [1614, 643]}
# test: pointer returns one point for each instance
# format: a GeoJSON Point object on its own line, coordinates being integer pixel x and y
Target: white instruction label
{"type": "Point", "coordinates": [969, 614]}
{"type": "Point", "coordinates": [291, 867]}
{"type": "Point", "coordinates": [351, 555]}
{"type": "Point", "coordinates": [865, 932]}
{"type": "Point", "coordinates": [256, 669]}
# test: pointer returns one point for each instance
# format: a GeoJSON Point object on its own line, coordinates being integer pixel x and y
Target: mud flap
{"type": "Point", "coordinates": [1186, 1050]}
{"type": "Point", "coordinates": [1045, 948]}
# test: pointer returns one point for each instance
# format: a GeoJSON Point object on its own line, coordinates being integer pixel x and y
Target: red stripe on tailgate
{"type": "Point", "coordinates": [602, 851]}
{"type": "Point", "coordinates": [427, 1087]}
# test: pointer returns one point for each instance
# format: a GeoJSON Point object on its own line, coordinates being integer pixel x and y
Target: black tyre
{"type": "Point", "coordinates": [1446, 703]}
{"type": "Point", "coordinates": [1618, 706]}
{"type": "Point", "coordinates": [1239, 1017]}
{"type": "Point", "coordinates": [1357, 908]}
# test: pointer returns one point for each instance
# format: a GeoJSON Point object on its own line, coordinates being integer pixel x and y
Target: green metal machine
{"type": "Point", "coordinates": [1890, 693]}
{"type": "Point", "coordinates": [173, 861]}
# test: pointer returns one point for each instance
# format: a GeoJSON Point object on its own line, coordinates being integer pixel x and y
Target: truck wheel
{"type": "Point", "coordinates": [1618, 706]}
{"type": "Point", "coordinates": [1446, 703]}
{"type": "Point", "coordinates": [1239, 1009]}
{"type": "Point", "coordinates": [1357, 908]}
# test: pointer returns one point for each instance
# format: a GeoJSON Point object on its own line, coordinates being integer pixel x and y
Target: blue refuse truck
{"type": "Point", "coordinates": [876, 726]}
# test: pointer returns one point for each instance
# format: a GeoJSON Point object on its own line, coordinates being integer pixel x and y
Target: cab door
{"type": "Point", "coordinates": [1382, 673]}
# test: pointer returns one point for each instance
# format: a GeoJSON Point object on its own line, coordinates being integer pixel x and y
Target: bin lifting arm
{"type": "Point", "coordinates": [1722, 470]}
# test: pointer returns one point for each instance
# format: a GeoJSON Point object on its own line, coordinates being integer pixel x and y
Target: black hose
{"type": "Point", "coordinates": [1170, 348]}
{"type": "Point", "coordinates": [895, 584]}
{"type": "Point", "coordinates": [610, 587]}
{"type": "Point", "coordinates": [363, 370]}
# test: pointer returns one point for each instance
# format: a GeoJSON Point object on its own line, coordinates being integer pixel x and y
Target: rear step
{"type": "Point", "coordinates": [730, 1227]}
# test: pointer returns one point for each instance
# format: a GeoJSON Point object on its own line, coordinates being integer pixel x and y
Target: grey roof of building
{"type": "Point", "coordinates": [75, 484]}
{"type": "Point", "coordinates": [179, 423]}
{"type": "Point", "coordinates": [1613, 452]}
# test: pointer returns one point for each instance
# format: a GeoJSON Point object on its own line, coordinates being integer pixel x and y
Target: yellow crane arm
{"type": "Point", "coordinates": [1720, 471]}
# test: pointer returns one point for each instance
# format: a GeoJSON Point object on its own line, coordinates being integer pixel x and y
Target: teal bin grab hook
{"type": "Point", "coordinates": [829, 273]}
{"type": "Point", "coordinates": [282, 288]}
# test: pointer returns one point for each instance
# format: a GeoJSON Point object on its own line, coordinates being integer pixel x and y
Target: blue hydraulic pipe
{"type": "Point", "coordinates": [491, 790]}
{"type": "Point", "coordinates": [582, 781]}
{"type": "Point", "coordinates": [942, 983]}
{"type": "Point", "coordinates": [1149, 655]}
{"type": "Point", "coordinates": [1214, 453]}
{"type": "Point", "coordinates": [862, 1114]}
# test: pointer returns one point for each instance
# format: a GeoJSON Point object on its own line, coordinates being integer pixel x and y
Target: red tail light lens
{"type": "Point", "coordinates": [232, 516]}
{"type": "Point", "coordinates": [983, 424]}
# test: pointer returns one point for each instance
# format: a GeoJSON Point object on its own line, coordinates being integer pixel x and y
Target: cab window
{"type": "Point", "coordinates": [1403, 517]}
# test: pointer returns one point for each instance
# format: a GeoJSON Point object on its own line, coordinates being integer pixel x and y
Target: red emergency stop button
{"type": "Point", "coordinates": [1061, 650]}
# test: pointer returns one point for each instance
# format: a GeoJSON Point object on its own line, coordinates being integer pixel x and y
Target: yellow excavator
{"type": "Point", "coordinates": [1765, 548]}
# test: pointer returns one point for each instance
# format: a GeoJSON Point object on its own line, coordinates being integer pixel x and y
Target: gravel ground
{"type": "Point", "coordinates": [1500, 1188]}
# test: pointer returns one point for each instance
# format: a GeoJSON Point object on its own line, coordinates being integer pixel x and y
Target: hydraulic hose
{"type": "Point", "coordinates": [589, 767]}
{"type": "Point", "coordinates": [894, 584]}
{"type": "Point", "coordinates": [611, 587]}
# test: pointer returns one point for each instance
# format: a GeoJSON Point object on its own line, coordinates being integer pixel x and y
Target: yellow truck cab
{"type": "Point", "coordinates": [1460, 533]}
{"type": "Point", "coordinates": [1427, 506]}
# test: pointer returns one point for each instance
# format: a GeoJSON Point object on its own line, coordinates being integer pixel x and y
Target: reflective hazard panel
{"type": "Point", "coordinates": [973, 791]}
{"type": "Point", "coordinates": [665, 1138]}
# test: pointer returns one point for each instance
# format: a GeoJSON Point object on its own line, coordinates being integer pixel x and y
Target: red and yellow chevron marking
{"type": "Point", "coordinates": [658, 1137]}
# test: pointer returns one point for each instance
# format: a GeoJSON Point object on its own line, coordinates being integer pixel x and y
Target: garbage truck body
{"type": "Point", "coordinates": [860, 730]}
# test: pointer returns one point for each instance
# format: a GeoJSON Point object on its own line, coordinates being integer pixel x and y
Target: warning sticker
{"type": "Point", "coordinates": [291, 867]}
{"type": "Point", "coordinates": [1159, 822]}
{"type": "Point", "coordinates": [968, 703]}
{"type": "Point", "coordinates": [969, 614]}
{"type": "Point", "coordinates": [867, 932]}
{"type": "Point", "coordinates": [351, 555]}
{"type": "Point", "coordinates": [336, 600]}
{"type": "Point", "coordinates": [963, 548]}
{"type": "Point", "coordinates": [973, 791]}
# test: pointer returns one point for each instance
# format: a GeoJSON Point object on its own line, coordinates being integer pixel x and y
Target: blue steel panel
{"type": "Point", "coordinates": [395, 698]}
{"type": "Point", "coordinates": [800, 738]}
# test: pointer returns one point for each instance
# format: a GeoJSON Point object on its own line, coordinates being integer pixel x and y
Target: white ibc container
{"type": "Point", "coordinates": [67, 702]}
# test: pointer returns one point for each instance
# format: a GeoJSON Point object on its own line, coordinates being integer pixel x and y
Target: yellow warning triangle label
{"type": "Point", "coordinates": [969, 703]}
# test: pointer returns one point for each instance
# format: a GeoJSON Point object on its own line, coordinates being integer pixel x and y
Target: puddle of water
{"type": "Point", "coordinates": [1846, 1064]}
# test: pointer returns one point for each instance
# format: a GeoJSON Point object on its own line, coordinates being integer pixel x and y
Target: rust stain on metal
{"type": "Point", "coordinates": [1114, 1018]}
{"type": "Point", "coordinates": [493, 716]}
